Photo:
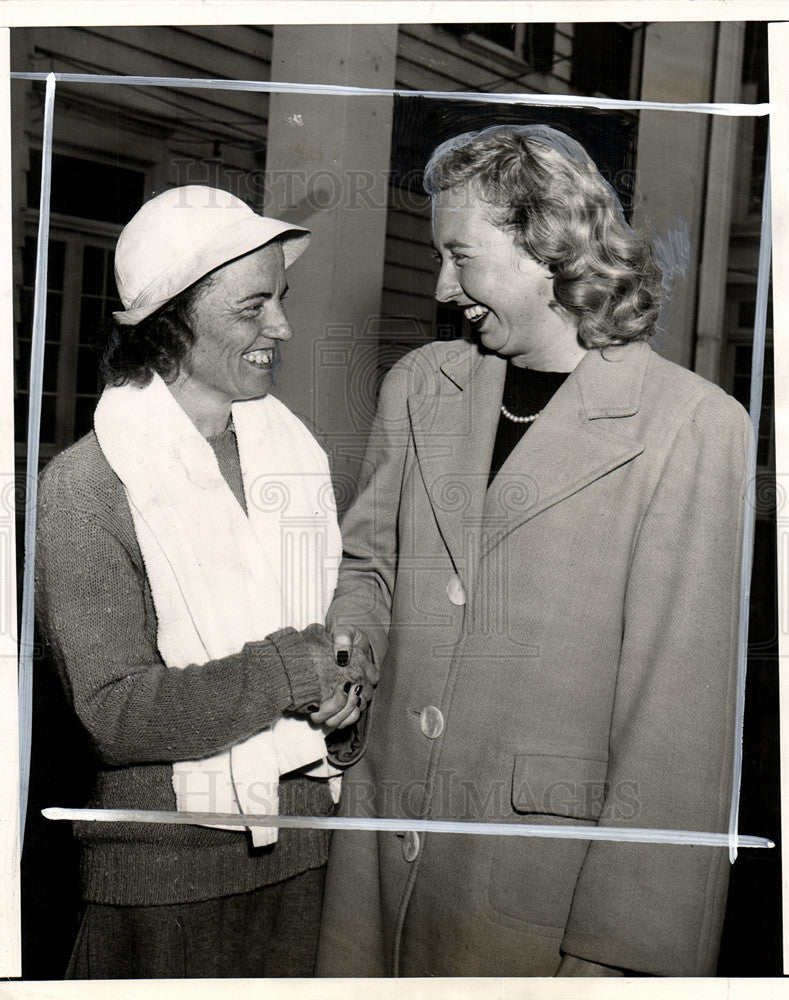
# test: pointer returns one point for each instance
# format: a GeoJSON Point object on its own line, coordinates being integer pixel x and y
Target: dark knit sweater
{"type": "Point", "coordinates": [526, 391]}
{"type": "Point", "coordinates": [97, 614]}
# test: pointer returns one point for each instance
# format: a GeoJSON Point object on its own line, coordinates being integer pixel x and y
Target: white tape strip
{"type": "Point", "coordinates": [732, 839]}
{"type": "Point", "coordinates": [544, 100]}
{"type": "Point", "coordinates": [33, 435]}
{"type": "Point", "coordinates": [755, 409]}
{"type": "Point", "coordinates": [401, 825]}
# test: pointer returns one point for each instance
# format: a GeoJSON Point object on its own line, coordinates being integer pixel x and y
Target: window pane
{"type": "Point", "coordinates": [55, 267]}
{"type": "Point", "coordinates": [89, 190]}
{"type": "Point", "coordinates": [22, 365]}
{"type": "Point", "coordinates": [25, 324]}
{"type": "Point", "coordinates": [90, 317]}
{"type": "Point", "coordinates": [602, 57]}
{"type": "Point", "coordinates": [501, 34]}
{"type": "Point", "coordinates": [54, 306]}
{"type": "Point", "coordinates": [87, 370]}
{"type": "Point", "coordinates": [746, 313]}
{"type": "Point", "coordinates": [29, 261]}
{"type": "Point", "coordinates": [741, 390]}
{"type": "Point", "coordinates": [83, 415]}
{"type": "Point", "coordinates": [47, 418]}
{"type": "Point", "coordinates": [538, 46]}
{"type": "Point", "coordinates": [92, 270]}
{"type": "Point", "coordinates": [51, 357]}
{"type": "Point", "coordinates": [20, 417]}
{"type": "Point", "coordinates": [57, 264]}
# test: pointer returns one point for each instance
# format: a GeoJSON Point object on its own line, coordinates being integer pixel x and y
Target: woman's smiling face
{"type": "Point", "coordinates": [505, 294]}
{"type": "Point", "coordinates": [237, 324]}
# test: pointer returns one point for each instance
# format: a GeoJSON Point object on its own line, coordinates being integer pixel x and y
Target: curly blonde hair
{"type": "Point", "coordinates": [543, 188]}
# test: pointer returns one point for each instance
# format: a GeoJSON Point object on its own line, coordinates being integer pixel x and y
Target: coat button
{"type": "Point", "coordinates": [431, 722]}
{"type": "Point", "coordinates": [455, 591]}
{"type": "Point", "coordinates": [410, 846]}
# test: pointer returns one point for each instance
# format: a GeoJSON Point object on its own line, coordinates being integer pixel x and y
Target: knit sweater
{"type": "Point", "coordinates": [97, 615]}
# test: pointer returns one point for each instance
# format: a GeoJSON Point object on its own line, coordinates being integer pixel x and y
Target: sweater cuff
{"type": "Point", "coordinates": [305, 687]}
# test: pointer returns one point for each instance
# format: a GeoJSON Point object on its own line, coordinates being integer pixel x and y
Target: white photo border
{"type": "Point", "coordinates": [779, 39]}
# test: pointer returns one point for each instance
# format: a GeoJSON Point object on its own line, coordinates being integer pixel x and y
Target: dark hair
{"type": "Point", "coordinates": [544, 189]}
{"type": "Point", "coordinates": [159, 343]}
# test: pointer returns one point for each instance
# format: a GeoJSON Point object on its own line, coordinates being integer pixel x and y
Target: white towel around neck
{"type": "Point", "coordinates": [219, 577]}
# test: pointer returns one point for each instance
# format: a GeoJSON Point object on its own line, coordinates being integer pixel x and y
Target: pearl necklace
{"type": "Point", "coordinates": [519, 420]}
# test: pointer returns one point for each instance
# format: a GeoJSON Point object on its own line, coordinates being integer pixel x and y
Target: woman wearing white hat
{"type": "Point", "coordinates": [181, 544]}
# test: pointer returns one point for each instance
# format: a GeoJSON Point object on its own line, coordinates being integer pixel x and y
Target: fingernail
{"type": "Point", "coordinates": [358, 702]}
{"type": "Point", "coordinates": [342, 658]}
{"type": "Point", "coordinates": [312, 708]}
{"type": "Point", "coordinates": [358, 689]}
{"type": "Point", "coordinates": [346, 687]}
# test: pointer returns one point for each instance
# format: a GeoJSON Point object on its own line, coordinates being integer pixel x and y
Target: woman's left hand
{"type": "Point", "coordinates": [343, 708]}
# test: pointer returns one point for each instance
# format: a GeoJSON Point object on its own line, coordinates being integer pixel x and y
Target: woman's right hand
{"type": "Point", "coordinates": [348, 638]}
{"type": "Point", "coordinates": [346, 705]}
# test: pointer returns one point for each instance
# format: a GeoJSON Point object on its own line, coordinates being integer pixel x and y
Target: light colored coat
{"type": "Point", "coordinates": [559, 648]}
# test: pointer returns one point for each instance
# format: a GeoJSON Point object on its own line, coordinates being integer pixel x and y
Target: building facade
{"type": "Point", "coordinates": [348, 167]}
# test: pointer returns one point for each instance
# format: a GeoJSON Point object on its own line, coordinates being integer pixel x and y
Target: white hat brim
{"type": "Point", "coordinates": [248, 234]}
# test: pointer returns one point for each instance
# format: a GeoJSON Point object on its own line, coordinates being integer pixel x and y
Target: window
{"type": "Point", "coordinates": [89, 202]}
{"type": "Point", "coordinates": [741, 390]}
{"type": "Point", "coordinates": [80, 295]}
{"type": "Point", "coordinates": [603, 58]}
{"type": "Point", "coordinates": [528, 43]}
{"type": "Point", "coordinates": [86, 189]}
{"type": "Point", "coordinates": [741, 312]}
{"type": "Point", "coordinates": [755, 89]}
{"type": "Point", "coordinates": [57, 253]}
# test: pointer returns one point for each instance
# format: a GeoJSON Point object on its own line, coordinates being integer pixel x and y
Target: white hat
{"type": "Point", "coordinates": [182, 234]}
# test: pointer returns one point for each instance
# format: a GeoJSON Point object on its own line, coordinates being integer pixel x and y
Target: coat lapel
{"type": "Point", "coordinates": [454, 429]}
{"type": "Point", "coordinates": [579, 437]}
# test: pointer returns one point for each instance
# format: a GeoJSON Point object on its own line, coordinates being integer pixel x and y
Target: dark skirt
{"type": "Point", "coordinates": [271, 931]}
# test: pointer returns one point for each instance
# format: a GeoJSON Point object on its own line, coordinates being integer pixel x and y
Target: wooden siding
{"type": "Point", "coordinates": [190, 122]}
{"type": "Point", "coordinates": [430, 58]}
{"type": "Point", "coordinates": [409, 272]}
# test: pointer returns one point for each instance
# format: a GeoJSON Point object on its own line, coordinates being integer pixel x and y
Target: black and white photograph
{"type": "Point", "coordinates": [397, 530]}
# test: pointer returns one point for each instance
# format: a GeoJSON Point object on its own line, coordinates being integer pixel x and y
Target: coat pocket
{"type": "Point", "coordinates": [554, 785]}
{"type": "Point", "coordinates": [531, 880]}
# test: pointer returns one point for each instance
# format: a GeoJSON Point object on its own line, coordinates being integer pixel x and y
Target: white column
{"type": "Point", "coordinates": [721, 169]}
{"type": "Point", "coordinates": [327, 168]}
{"type": "Point", "coordinates": [672, 165]}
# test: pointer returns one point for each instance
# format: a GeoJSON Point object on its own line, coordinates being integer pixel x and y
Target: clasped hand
{"type": "Point", "coordinates": [346, 686]}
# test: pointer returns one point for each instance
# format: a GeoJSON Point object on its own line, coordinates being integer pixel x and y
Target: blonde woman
{"type": "Point", "coordinates": [544, 559]}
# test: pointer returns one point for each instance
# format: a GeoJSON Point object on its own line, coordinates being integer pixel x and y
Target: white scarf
{"type": "Point", "coordinates": [220, 578]}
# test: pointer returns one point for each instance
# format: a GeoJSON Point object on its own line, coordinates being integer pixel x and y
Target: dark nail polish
{"type": "Point", "coordinates": [342, 657]}
{"type": "Point", "coordinates": [358, 702]}
{"type": "Point", "coordinates": [346, 687]}
{"type": "Point", "coordinates": [358, 689]}
{"type": "Point", "coordinates": [312, 708]}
